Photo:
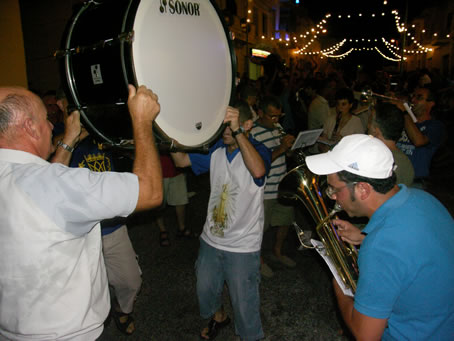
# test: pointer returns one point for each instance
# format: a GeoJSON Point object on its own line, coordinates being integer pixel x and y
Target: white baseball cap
{"type": "Point", "coordinates": [359, 154]}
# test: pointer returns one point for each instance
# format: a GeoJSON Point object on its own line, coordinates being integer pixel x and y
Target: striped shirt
{"type": "Point", "coordinates": [271, 138]}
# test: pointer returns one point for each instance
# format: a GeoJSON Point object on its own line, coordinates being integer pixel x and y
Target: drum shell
{"type": "Point", "coordinates": [104, 103]}
{"type": "Point", "coordinates": [104, 110]}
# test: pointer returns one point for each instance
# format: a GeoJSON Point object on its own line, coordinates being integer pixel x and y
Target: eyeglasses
{"type": "Point", "coordinates": [330, 191]}
{"type": "Point", "coordinates": [274, 117]}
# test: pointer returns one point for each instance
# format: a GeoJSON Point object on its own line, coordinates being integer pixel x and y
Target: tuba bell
{"type": "Point", "coordinates": [301, 184]}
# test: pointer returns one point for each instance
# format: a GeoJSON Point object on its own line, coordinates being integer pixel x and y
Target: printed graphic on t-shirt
{"type": "Point", "coordinates": [220, 216]}
{"type": "Point", "coordinates": [96, 162]}
{"type": "Point", "coordinates": [405, 144]}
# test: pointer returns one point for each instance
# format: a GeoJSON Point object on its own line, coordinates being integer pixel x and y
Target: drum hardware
{"type": "Point", "coordinates": [301, 184]}
{"type": "Point", "coordinates": [173, 147]}
{"type": "Point", "coordinates": [127, 145]}
{"type": "Point", "coordinates": [126, 37]}
{"type": "Point", "coordinates": [163, 147]}
{"type": "Point", "coordinates": [74, 107]}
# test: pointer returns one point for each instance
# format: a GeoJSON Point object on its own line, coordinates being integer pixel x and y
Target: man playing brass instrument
{"type": "Point", "coordinates": [268, 131]}
{"type": "Point", "coordinates": [406, 260]}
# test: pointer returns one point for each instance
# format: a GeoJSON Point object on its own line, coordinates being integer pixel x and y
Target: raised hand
{"type": "Point", "coordinates": [143, 103]}
{"type": "Point", "coordinates": [232, 118]}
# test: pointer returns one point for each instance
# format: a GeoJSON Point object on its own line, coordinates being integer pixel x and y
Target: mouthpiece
{"type": "Point", "coordinates": [282, 132]}
{"type": "Point", "coordinates": [337, 208]}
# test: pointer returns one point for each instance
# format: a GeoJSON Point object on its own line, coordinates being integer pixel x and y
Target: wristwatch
{"type": "Point", "coordinates": [65, 146]}
{"type": "Point", "coordinates": [240, 130]}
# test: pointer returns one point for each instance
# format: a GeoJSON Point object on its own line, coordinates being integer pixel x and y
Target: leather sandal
{"type": "Point", "coordinates": [123, 327]}
{"type": "Point", "coordinates": [164, 240]}
{"type": "Point", "coordinates": [213, 328]}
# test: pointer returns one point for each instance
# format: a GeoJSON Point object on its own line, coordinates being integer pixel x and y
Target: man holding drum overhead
{"type": "Point", "coordinates": [405, 288]}
{"type": "Point", "coordinates": [52, 275]}
{"type": "Point", "coordinates": [232, 234]}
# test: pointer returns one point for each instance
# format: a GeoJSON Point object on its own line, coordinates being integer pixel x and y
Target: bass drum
{"type": "Point", "coordinates": [179, 49]}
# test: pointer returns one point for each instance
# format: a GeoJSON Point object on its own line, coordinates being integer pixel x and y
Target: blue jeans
{"type": "Point", "coordinates": [241, 271]}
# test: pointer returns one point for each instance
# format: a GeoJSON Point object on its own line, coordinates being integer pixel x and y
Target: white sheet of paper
{"type": "Point", "coordinates": [321, 250]}
{"type": "Point", "coordinates": [306, 138]}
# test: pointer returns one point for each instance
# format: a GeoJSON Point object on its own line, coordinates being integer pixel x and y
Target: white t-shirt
{"type": "Point", "coordinates": [52, 276]}
{"type": "Point", "coordinates": [235, 210]}
{"type": "Point", "coordinates": [318, 112]}
{"type": "Point", "coordinates": [353, 126]}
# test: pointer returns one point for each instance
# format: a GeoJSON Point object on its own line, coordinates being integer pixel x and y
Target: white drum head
{"type": "Point", "coordinates": [184, 57]}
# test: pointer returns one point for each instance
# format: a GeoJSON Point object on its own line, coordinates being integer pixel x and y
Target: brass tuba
{"type": "Point", "coordinates": [301, 184]}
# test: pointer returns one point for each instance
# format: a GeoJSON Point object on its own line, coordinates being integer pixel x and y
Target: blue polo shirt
{"type": "Point", "coordinates": [406, 266]}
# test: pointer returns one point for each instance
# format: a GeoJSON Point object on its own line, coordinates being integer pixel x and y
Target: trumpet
{"type": "Point", "coordinates": [281, 130]}
{"type": "Point", "coordinates": [369, 94]}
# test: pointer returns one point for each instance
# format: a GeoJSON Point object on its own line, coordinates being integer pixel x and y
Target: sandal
{"type": "Point", "coordinates": [186, 233]}
{"type": "Point", "coordinates": [164, 239]}
{"type": "Point", "coordinates": [127, 326]}
{"type": "Point", "coordinates": [213, 328]}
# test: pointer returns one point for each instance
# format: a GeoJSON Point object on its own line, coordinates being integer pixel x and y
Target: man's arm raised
{"type": "Point", "coordinates": [251, 157]}
{"type": "Point", "coordinates": [70, 138]}
{"type": "Point", "coordinates": [181, 159]}
{"type": "Point", "coordinates": [144, 108]}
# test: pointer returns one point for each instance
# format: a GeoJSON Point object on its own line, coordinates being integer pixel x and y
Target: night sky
{"type": "Point", "coordinates": [361, 27]}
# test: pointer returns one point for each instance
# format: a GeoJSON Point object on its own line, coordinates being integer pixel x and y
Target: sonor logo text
{"type": "Point", "coordinates": [180, 7]}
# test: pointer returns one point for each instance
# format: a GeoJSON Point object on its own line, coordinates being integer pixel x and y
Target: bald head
{"type": "Point", "coordinates": [23, 122]}
{"type": "Point", "coordinates": [15, 104]}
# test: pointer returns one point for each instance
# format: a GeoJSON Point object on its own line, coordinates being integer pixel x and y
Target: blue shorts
{"type": "Point", "coordinates": [241, 271]}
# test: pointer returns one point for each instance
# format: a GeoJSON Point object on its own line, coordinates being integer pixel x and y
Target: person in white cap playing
{"type": "Point", "coordinates": [406, 259]}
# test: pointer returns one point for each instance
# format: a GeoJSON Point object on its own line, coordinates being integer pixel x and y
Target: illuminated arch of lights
{"type": "Point", "coordinates": [310, 36]}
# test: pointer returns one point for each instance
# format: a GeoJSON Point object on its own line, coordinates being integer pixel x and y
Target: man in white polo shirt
{"type": "Point", "coordinates": [53, 283]}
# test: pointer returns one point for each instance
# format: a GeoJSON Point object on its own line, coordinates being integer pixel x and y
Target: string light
{"type": "Point", "coordinates": [339, 55]}
{"type": "Point", "coordinates": [311, 36]}
{"type": "Point", "coordinates": [386, 57]}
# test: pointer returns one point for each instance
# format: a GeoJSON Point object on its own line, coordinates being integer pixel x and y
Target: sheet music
{"type": "Point", "coordinates": [321, 250]}
{"type": "Point", "coordinates": [306, 138]}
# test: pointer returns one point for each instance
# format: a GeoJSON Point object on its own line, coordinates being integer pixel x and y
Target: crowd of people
{"type": "Point", "coordinates": [65, 243]}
